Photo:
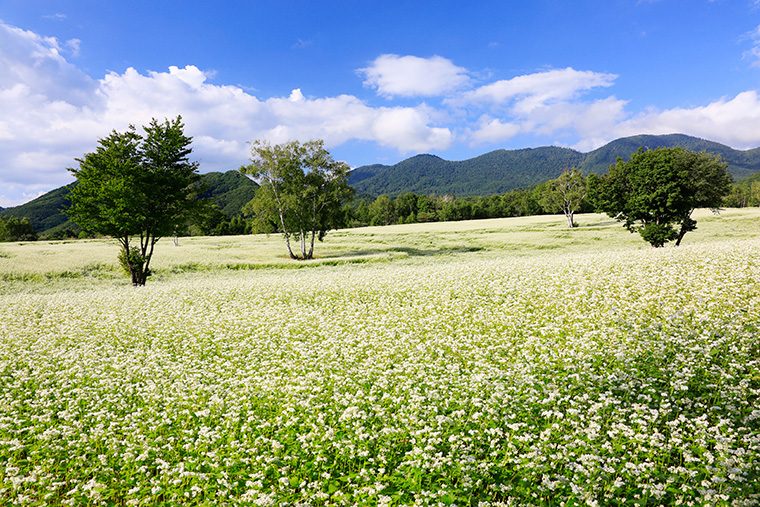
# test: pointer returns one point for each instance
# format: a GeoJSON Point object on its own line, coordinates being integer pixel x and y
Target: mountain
{"type": "Point", "coordinates": [44, 212]}
{"type": "Point", "coordinates": [491, 173]}
{"type": "Point", "coordinates": [229, 190]}
{"type": "Point", "coordinates": [502, 170]}
{"type": "Point", "coordinates": [741, 164]}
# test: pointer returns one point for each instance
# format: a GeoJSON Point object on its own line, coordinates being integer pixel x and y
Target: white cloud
{"type": "Point", "coordinates": [53, 112]}
{"type": "Point", "coordinates": [732, 121]}
{"type": "Point", "coordinates": [533, 90]}
{"type": "Point", "coordinates": [406, 128]}
{"type": "Point", "coordinates": [58, 16]}
{"type": "Point", "coordinates": [36, 62]}
{"type": "Point", "coordinates": [493, 130]}
{"type": "Point", "coordinates": [544, 103]}
{"type": "Point", "coordinates": [753, 53]}
{"type": "Point", "coordinates": [412, 76]}
{"type": "Point", "coordinates": [74, 45]}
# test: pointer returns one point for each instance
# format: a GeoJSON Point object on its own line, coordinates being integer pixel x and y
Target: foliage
{"type": "Point", "coordinates": [131, 261]}
{"type": "Point", "coordinates": [656, 191]}
{"type": "Point", "coordinates": [414, 208]}
{"type": "Point", "coordinates": [228, 191]}
{"type": "Point", "coordinates": [744, 193]}
{"type": "Point", "coordinates": [302, 191]}
{"type": "Point", "coordinates": [566, 194]}
{"type": "Point", "coordinates": [136, 186]}
{"type": "Point", "coordinates": [16, 229]}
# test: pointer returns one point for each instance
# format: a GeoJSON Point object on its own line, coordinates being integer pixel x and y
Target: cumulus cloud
{"type": "Point", "coordinates": [544, 103]}
{"type": "Point", "coordinates": [493, 130]}
{"type": "Point", "coordinates": [732, 121]}
{"type": "Point", "coordinates": [412, 76]}
{"type": "Point", "coordinates": [533, 90]}
{"type": "Point", "coordinates": [53, 112]}
{"type": "Point", "coordinates": [36, 63]}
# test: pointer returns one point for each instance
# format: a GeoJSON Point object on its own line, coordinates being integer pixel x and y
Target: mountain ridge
{"type": "Point", "coordinates": [502, 170]}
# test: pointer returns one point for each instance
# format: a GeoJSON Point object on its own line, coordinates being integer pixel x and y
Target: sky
{"type": "Point", "coordinates": [379, 81]}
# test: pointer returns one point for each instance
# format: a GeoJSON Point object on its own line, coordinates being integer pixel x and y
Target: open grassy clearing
{"type": "Point", "coordinates": [489, 362]}
{"type": "Point", "coordinates": [46, 261]}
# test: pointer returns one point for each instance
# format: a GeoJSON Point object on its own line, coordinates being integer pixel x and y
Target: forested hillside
{"type": "Point", "coordinates": [503, 170]}
{"type": "Point", "coordinates": [229, 191]}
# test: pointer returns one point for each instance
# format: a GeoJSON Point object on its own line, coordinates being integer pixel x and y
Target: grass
{"type": "Point", "coordinates": [49, 260]}
{"type": "Point", "coordinates": [496, 362]}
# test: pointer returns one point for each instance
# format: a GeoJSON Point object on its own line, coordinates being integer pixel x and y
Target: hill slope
{"type": "Point", "coordinates": [503, 170]}
{"type": "Point", "coordinates": [740, 163]}
{"type": "Point", "coordinates": [491, 173]}
{"type": "Point", "coordinates": [229, 190]}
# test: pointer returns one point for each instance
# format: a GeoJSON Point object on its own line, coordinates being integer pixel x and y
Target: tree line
{"type": "Point", "coordinates": [140, 186]}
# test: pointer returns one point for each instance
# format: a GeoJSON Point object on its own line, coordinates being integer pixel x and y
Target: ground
{"type": "Point", "coordinates": [494, 362]}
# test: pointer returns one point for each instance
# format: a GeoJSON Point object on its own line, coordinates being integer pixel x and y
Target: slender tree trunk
{"type": "Point", "coordinates": [311, 246]}
{"type": "Point", "coordinates": [290, 249]}
{"type": "Point", "coordinates": [681, 234]}
{"type": "Point", "coordinates": [687, 224]}
{"type": "Point", "coordinates": [303, 245]}
{"type": "Point", "coordinates": [570, 220]}
{"type": "Point", "coordinates": [133, 271]}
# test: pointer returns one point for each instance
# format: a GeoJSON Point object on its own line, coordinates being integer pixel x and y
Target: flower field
{"type": "Point", "coordinates": [605, 373]}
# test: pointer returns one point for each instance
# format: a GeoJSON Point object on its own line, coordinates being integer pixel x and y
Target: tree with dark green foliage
{"type": "Point", "coordinates": [656, 191]}
{"type": "Point", "coordinates": [302, 191]}
{"type": "Point", "coordinates": [744, 193]}
{"type": "Point", "coordinates": [382, 211]}
{"type": "Point", "coordinates": [565, 194]}
{"type": "Point", "coordinates": [16, 229]}
{"type": "Point", "coordinates": [136, 188]}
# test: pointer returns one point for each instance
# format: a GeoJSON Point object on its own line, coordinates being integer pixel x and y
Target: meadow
{"type": "Point", "coordinates": [493, 362]}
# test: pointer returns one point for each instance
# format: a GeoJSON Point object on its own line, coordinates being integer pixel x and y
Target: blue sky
{"type": "Point", "coordinates": [379, 81]}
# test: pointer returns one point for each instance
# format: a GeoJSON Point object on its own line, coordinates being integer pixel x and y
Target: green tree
{"type": "Point", "coordinates": [137, 188]}
{"type": "Point", "coordinates": [406, 207]}
{"type": "Point", "coordinates": [565, 194]}
{"type": "Point", "coordinates": [16, 229]}
{"type": "Point", "coordinates": [656, 191]}
{"type": "Point", "coordinates": [302, 191]}
{"type": "Point", "coordinates": [382, 211]}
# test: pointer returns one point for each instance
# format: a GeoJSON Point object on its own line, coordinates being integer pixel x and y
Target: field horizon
{"type": "Point", "coordinates": [95, 259]}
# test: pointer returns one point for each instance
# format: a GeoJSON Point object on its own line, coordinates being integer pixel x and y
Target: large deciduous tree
{"type": "Point", "coordinates": [656, 191]}
{"type": "Point", "coordinates": [302, 192]}
{"type": "Point", "coordinates": [136, 188]}
{"type": "Point", "coordinates": [565, 194]}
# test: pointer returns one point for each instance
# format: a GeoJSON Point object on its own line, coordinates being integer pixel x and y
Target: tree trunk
{"type": "Point", "coordinates": [310, 254]}
{"type": "Point", "coordinates": [133, 274]}
{"type": "Point", "coordinates": [687, 224]}
{"type": "Point", "coordinates": [290, 249]}
{"type": "Point", "coordinates": [681, 234]}
{"type": "Point", "coordinates": [570, 221]}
